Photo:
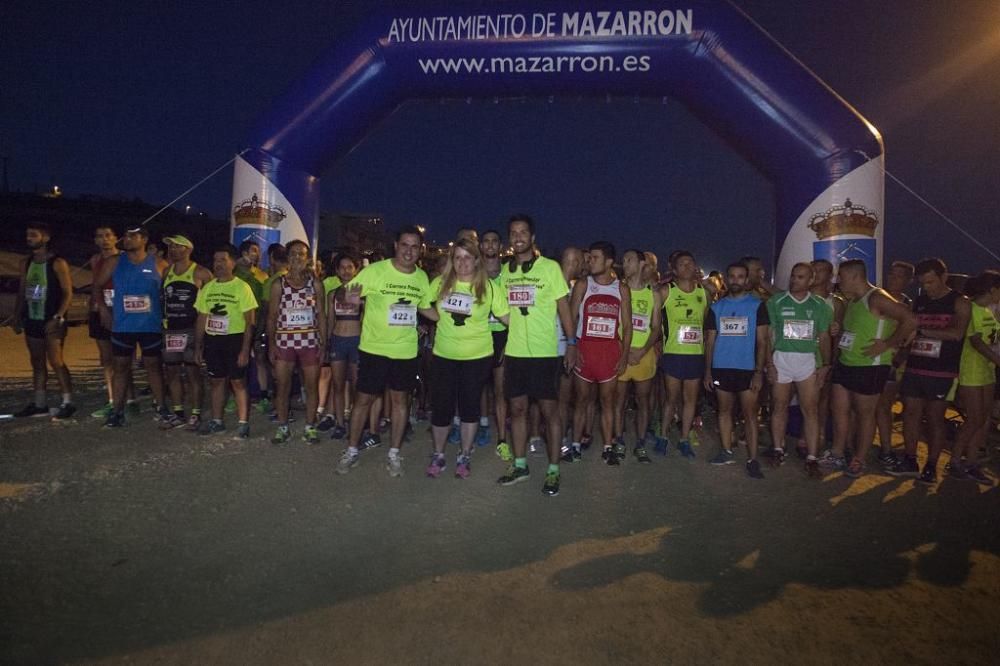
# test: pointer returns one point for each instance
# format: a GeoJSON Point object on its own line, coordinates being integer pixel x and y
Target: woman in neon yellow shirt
{"type": "Point", "coordinates": [976, 377]}
{"type": "Point", "coordinates": [464, 296]}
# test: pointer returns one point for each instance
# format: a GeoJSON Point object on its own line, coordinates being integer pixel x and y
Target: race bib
{"type": "Point", "coordinates": [137, 304]}
{"type": "Point", "coordinates": [402, 314]}
{"type": "Point", "coordinates": [35, 292]}
{"type": "Point", "coordinates": [457, 303]}
{"type": "Point", "coordinates": [109, 297]}
{"type": "Point", "coordinates": [175, 342]}
{"type": "Point", "coordinates": [736, 326]}
{"type": "Point", "coordinates": [689, 335]}
{"type": "Point", "coordinates": [521, 295]}
{"type": "Point", "coordinates": [640, 322]}
{"type": "Point", "coordinates": [345, 309]}
{"type": "Point", "coordinates": [846, 340]}
{"type": "Point", "coordinates": [798, 329]}
{"type": "Point", "coordinates": [600, 327]}
{"type": "Point", "coordinates": [299, 317]}
{"type": "Point", "coordinates": [217, 324]}
{"type": "Point", "coordinates": [926, 347]}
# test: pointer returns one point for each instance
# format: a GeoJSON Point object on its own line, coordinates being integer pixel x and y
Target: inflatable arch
{"type": "Point", "coordinates": [824, 159]}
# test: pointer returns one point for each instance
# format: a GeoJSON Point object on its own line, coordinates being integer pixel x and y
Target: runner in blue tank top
{"type": "Point", "coordinates": [135, 318]}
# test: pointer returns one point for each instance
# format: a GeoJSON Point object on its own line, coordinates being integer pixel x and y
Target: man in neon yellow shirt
{"type": "Point", "coordinates": [395, 291]}
{"type": "Point", "coordinates": [536, 294]}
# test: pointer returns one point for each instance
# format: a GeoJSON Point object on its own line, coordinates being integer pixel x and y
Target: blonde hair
{"type": "Point", "coordinates": [479, 278]}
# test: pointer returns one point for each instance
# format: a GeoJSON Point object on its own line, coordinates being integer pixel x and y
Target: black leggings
{"type": "Point", "coordinates": [457, 382]}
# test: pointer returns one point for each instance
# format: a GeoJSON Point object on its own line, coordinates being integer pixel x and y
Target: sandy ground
{"type": "Point", "coordinates": [136, 546]}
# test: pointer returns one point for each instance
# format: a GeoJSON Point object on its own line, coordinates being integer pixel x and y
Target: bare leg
{"type": "Point", "coordinates": [691, 388]}
{"type": "Point", "coordinates": [864, 410]}
{"type": "Point", "coordinates": [519, 425]}
{"type": "Point", "coordinates": [500, 404]}
{"type": "Point", "coordinates": [673, 388]}
{"type": "Point", "coordinates": [781, 396]}
{"type": "Point", "coordinates": [883, 416]}
{"type": "Point", "coordinates": [154, 372]}
{"type": "Point", "coordinates": [107, 365]}
{"type": "Point", "coordinates": [363, 411]}
{"type": "Point", "coordinates": [218, 396]}
{"type": "Point", "coordinates": [550, 409]}
{"type": "Point", "coordinates": [242, 397]}
{"type": "Point", "coordinates": [584, 396]}
{"type": "Point", "coordinates": [725, 399]}
{"type": "Point", "coordinates": [606, 391]}
{"type": "Point", "coordinates": [621, 397]}
{"type": "Point", "coordinates": [400, 417]}
{"type": "Point", "coordinates": [194, 381]}
{"type": "Point", "coordinates": [748, 402]}
{"type": "Point", "coordinates": [310, 379]}
{"type": "Point", "coordinates": [39, 368]}
{"type": "Point", "coordinates": [808, 391]}
{"type": "Point", "coordinates": [643, 399]}
{"type": "Point", "coordinates": [54, 351]}
{"type": "Point", "coordinates": [338, 386]}
{"type": "Point", "coordinates": [282, 389]}
{"type": "Point", "coordinates": [840, 403]}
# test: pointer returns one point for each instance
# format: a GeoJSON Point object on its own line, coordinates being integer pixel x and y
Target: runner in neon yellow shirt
{"type": "Point", "coordinates": [490, 244]}
{"type": "Point", "coordinates": [463, 349]}
{"type": "Point", "coordinates": [223, 334]}
{"type": "Point", "coordinates": [977, 376]}
{"type": "Point", "coordinates": [395, 292]}
{"type": "Point", "coordinates": [536, 292]}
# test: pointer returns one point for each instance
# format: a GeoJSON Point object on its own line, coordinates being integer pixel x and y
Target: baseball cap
{"type": "Point", "coordinates": [178, 240]}
{"type": "Point", "coordinates": [138, 230]}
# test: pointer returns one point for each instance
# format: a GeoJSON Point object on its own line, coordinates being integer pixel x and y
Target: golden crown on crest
{"type": "Point", "coordinates": [847, 219]}
{"type": "Point", "coordinates": [257, 212]}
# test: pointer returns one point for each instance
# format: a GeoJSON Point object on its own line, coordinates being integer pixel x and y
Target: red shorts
{"type": "Point", "coordinates": [306, 356]}
{"type": "Point", "coordinates": [597, 360]}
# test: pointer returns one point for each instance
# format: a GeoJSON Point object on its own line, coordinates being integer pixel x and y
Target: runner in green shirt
{"type": "Point", "coordinates": [223, 333]}
{"type": "Point", "coordinates": [395, 292]}
{"type": "Point", "coordinates": [463, 349]}
{"type": "Point", "coordinates": [977, 376]}
{"type": "Point", "coordinates": [490, 244]}
{"type": "Point", "coordinates": [536, 292]}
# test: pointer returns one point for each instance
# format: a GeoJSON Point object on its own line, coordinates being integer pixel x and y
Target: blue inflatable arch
{"type": "Point", "coordinates": [825, 160]}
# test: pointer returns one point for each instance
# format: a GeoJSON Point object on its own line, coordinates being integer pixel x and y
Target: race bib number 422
{"type": "Point", "coordinates": [402, 314]}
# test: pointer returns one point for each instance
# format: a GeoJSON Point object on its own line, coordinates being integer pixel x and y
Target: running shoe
{"type": "Point", "coordinates": [684, 447]}
{"type": "Point", "coordinates": [264, 406]}
{"type": "Point", "coordinates": [347, 462]}
{"type": "Point", "coordinates": [957, 472]}
{"type": "Point", "coordinates": [801, 450]}
{"type": "Point", "coordinates": [213, 427]}
{"type": "Point", "coordinates": [888, 460]}
{"type": "Point", "coordinates": [243, 431]}
{"type": "Point", "coordinates": [482, 435]}
{"type": "Point", "coordinates": [929, 474]}
{"type": "Point", "coordinates": [723, 458]}
{"type": "Point", "coordinates": [438, 465]}
{"type": "Point", "coordinates": [975, 472]}
{"type": "Point", "coordinates": [514, 475]}
{"type": "Point", "coordinates": [170, 421]}
{"type": "Point", "coordinates": [830, 461]}
{"type": "Point", "coordinates": [163, 415]}
{"type": "Point", "coordinates": [65, 411]}
{"type": "Point", "coordinates": [115, 420]}
{"type": "Point", "coordinates": [619, 452]}
{"type": "Point", "coordinates": [585, 441]}
{"type": "Point", "coordinates": [310, 435]}
{"type": "Point", "coordinates": [394, 465]}
{"type": "Point", "coordinates": [369, 441]}
{"type": "Point", "coordinates": [640, 454]}
{"type": "Point", "coordinates": [536, 446]}
{"type": "Point", "coordinates": [193, 423]}
{"type": "Point", "coordinates": [856, 469]}
{"type": "Point", "coordinates": [104, 412]}
{"type": "Point", "coordinates": [753, 469]}
{"type": "Point", "coordinates": [133, 408]}
{"type": "Point", "coordinates": [776, 457]}
{"type": "Point", "coordinates": [454, 435]}
{"type": "Point", "coordinates": [905, 466]}
{"type": "Point", "coordinates": [551, 486]}
{"type": "Point", "coordinates": [812, 469]}
{"type": "Point", "coordinates": [463, 467]}
{"type": "Point", "coordinates": [326, 423]}
{"type": "Point", "coordinates": [281, 436]}
{"type": "Point", "coordinates": [383, 426]}
{"type": "Point", "coordinates": [31, 410]}
{"type": "Point", "coordinates": [693, 438]}
{"type": "Point", "coordinates": [338, 431]}
{"type": "Point", "coordinates": [661, 446]}
{"type": "Point", "coordinates": [503, 450]}
{"type": "Point", "coordinates": [606, 454]}
{"type": "Point", "coordinates": [567, 453]}
{"type": "Point", "coordinates": [230, 407]}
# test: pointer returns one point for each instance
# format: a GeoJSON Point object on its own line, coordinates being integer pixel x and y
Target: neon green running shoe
{"type": "Point", "coordinates": [104, 412]}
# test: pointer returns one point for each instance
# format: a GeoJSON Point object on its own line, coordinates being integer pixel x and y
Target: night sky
{"type": "Point", "coordinates": [142, 99]}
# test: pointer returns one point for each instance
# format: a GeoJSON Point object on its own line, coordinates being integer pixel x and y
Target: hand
{"type": "Point", "coordinates": [834, 329]}
{"type": "Point", "coordinates": [621, 364]}
{"type": "Point", "coordinates": [822, 375]}
{"type": "Point", "coordinates": [772, 373]}
{"type": "Point", "coordinates": [875, 348]}
{"type": "Point", "coordinates": [570, 359]}
{"type": "Point", "coordinates": [709, 386]}
{"type": "Point", "coordinates": [635, 355]}
{"type": "Point", "coordinates": [53, 326]}
{"type": "Point", "coordinates": [757, 381]}
{"type": "Point", "coordinates": [199, 356]}
{"type": "Point", "coordinates": [352, 294]}
{"type": "Point", "coordinates": [243, 360]}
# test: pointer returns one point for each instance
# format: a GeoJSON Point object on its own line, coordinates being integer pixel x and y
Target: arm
{"type": "Point", "coordinates": [271, 322]}
{"type": "Point", "coordinates": [889, 307]}
{"type": "Point", "coordinates": [980, 346]}
{"type": "Point", "coordinates": [250, 318]}
{"type": "Point", "coordinates": [576, 297]}
{"type": "Point", "coordinates": [429, 313]}
{"type": "Point", "coordinates": [824, 355]}
{"type": "Point", "coordinates": [321, 319]}
{"type": "Point", "coordinates": [959, 324]}
{"type": "Point", "coordinates": [331, 311]}
{"type": "Point", "coordinates": [760, 356]}
{"type": "Point", "coordinates": [199, 338]}
{"type": "Point", "coordinates": [101, 279]}
{"type": "Point", "coordinates": [19, 298]}
{"type": "Point", "coordinates": [655, 322]}
{"type": "Point", "coordinates": [61, 269]}
{"type": "Point", "coordinates": [710, 336]}
{"type": "Point", "coordinates": [626, 321]}
{"type": "Point", "coordinates": [566, 319]}
{"type": "Point", "coordinates": [839, 309]}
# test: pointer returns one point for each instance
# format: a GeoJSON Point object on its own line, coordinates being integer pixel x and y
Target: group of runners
{"type": "Point", "coordinates": [551, 350]}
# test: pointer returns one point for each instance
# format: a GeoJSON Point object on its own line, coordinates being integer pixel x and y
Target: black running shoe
{"type": "Point", "coordinates": [31, 410]}
{"type": "Point", "coordinates": [641, 455]}
{"type": "Point", "coordinates": [115, 420]}
{"type": "Point", "coordinates": [66, 410]}
{"type": "Point", "coordinates": [929, 474]}
{"type": "Point", "coordinates": [514, 475]}
{"type": "Point", "coordinates": [753, 469]}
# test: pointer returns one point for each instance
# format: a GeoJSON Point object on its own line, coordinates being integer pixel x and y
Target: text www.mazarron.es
{"type": "Point", "coordinates": [533, 64]}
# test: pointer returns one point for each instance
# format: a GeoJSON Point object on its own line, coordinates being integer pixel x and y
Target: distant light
{"type": "Point", "coordinates": [187, 209]}
{"type": "Point", "coordinates": [451, 243]}
{"type": "Point", "coordinates": [55, 189]}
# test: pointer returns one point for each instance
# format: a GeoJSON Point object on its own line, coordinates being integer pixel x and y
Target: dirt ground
{"type": "Point", "coordinates": [135, 546]}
